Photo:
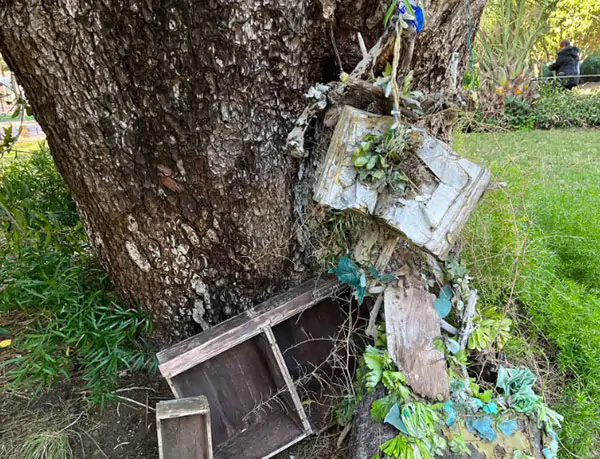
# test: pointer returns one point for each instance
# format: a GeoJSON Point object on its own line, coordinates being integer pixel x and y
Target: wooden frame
{"type": "Point", "coordinates": [431, 219]}
{"type": "Point", "coordinates": [183, 429]}
{"type": "Point", "coordinates": [253, 370]}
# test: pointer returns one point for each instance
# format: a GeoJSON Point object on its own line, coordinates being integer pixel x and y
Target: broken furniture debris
{"type": "Point", "coordinates": [183, 429]}
{"type": "Point", "coordinates": [431, 219]}
{"type": "Point", "coordinates": [412, 324]}
{"type": "Point", "coordinates": [267, 373]}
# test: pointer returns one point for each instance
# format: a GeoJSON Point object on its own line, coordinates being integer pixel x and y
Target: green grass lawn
{"type": "Point", "coordinates": [534, 248]}
{"type": "Point", "coordinates": [23, 147]}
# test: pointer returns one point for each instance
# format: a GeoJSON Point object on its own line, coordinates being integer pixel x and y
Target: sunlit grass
{"type": "Point", "coordinates": [534, 249]}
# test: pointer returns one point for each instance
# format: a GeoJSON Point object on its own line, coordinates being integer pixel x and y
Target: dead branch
{"type": "Point", "coordinates": [467, 326]}
{"type": "Point", "coordinates": [373, 316]}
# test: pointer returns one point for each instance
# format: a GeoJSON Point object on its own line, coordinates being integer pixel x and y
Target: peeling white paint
{"type": "Point", "coordinates": [139, 259]}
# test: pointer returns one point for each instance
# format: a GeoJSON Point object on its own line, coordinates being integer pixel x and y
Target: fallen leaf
{"type": "Point", "coordinates": [6, 343]}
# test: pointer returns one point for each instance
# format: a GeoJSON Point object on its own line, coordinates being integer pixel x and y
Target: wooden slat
{"type": "Point", "coordinates": [288, 380]}
{"type": "Point", "coordinates": [199, 348]}
{"type": "Point", "coordinates": [182, 407]}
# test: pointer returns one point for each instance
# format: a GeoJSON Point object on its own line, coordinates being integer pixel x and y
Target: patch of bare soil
{"type": "Point", "coordinates": [125, 429]}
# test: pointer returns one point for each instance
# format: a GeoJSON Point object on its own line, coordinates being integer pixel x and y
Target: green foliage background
{"type": "Point", "coordinates": [70, 321]}
{"type": "Point", "coordinates": [534, 248]}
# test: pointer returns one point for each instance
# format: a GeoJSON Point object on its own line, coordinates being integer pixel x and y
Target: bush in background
{"type": "Point", "coordinates": [591, 66]}
{"type": "Point", "coordinates": [558, 108]}
{"type": "Point", "coordinates": [74, 325]}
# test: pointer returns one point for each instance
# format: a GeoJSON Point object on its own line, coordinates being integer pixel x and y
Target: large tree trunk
{"type": "Point", "coordinates": [168, 119]}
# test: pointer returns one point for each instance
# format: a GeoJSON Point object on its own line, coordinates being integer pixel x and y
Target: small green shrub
{"type": "Point", "coordinates": [591, 66]}
{"type": "Point", "coordinates": [46, 271]}
{"type": "Point", "coordinates": [518, 112]}
{"type": "Point", "coordinates": [559, 108]}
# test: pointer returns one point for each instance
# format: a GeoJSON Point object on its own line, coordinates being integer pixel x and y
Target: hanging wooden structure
{"type": "Point", "coordinates": [431, 219]}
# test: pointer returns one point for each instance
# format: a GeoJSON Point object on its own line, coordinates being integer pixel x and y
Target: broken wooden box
{"type": "Point", "coordinates": [271, 373]}
{"type": "Point", "coordinates": [434, 216]}
{"type": "Point", "coordinates": [183, 429]}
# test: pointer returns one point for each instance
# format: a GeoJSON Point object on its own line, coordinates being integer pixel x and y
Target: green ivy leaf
{"type": "Point", "coordinates": [372, 162]}
{"type": "Point", "coordinates": [360, 161]}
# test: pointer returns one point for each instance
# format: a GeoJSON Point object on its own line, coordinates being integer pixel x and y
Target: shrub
{"type": "Point", "coordinates": [518, 112]}
{"type": "Point", "coordinates": [558, 108]}
{"type": "Point", "coordinates": [591, 66]}
{"type": "Point", "coordinates": [76, 325]}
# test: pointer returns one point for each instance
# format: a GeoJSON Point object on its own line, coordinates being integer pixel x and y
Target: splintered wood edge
{"type": "Point", "coordinates": [234, 331]}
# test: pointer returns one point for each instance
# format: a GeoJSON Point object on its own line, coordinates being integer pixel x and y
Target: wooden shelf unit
{"type": "Point", "coordinates": [253, 369]}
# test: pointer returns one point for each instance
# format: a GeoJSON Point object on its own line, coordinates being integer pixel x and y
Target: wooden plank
{"type": "Point", "coordinates": [278, 356]}
{"type": "Point", "coordinates": [183, 429]}
{"type": "Point", "coordinates": [273, 434]}
{"type": "Point", "coordinates": [240, 387]}
{"type": "Point", "coordinates": [412, 324]}
{"type": "Point", "coordinates": [306, 342]}
{"type": "Point", "coordinates": [183, 407]}
{"type": "Point", "coordinates": [197, 349]}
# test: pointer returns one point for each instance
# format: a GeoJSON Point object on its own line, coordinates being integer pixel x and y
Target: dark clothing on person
{"type": "Point", "coordinates": [567, 63]}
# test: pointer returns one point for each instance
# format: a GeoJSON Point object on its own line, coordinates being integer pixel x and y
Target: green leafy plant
{"type": "Point", "coordinates": [76, 326]}
{"type": "Point", "coordinates": [351, 274]}
{"type": "Point", "coordinates": [458, 446]}
{"type": "Point", "coordinates": [344, 412]}
{"type": "Point", "coordinates": [591, 66]}
{"type": "Point", "coordinates": [377, 361]}
{"type": "Point", "coordinates": [491, 329]}
{"type": "Point", "coordinates": [379, 159]}
{"type": "Point", "coordinates": [518, 112]}
{"type": "Point", "coordinates": [508, 33]}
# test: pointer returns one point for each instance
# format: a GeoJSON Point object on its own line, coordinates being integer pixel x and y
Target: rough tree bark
{"type": "Point", "coordinates": [168, 119]}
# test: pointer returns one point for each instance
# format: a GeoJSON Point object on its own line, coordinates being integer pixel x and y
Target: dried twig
{"type": "Point", "coordinates": [373, 316]}
{"type": "Point", "coordinates": [467, 326]}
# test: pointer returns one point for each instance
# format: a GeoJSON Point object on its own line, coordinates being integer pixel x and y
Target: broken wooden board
{"type": "Point", "coordinates": [412, 324]}
{"type": "Point", "coordinates": [434, 217]}
{"type": "Point", "coordinates": [183, 429]}
{"type": "Point", "coordinates": [256, 370]}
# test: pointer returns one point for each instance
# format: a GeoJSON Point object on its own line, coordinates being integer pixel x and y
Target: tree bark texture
{"type": "Point", "coordinates": [451, 26]}
{"type": "Point", "coordinates": [168, 121]}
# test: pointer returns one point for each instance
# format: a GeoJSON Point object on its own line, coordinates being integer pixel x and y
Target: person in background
{"type": "Point", "coordinates": [567, 63]}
